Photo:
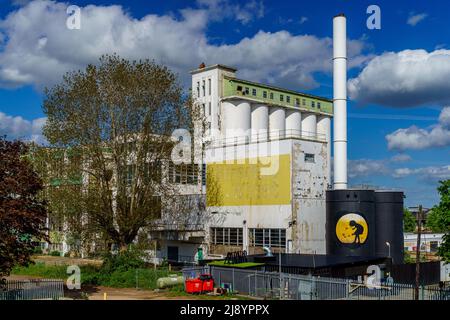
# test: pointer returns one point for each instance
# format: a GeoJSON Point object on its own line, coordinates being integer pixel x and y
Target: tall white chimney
{"type": "Point", "coordinates": [340, 101]}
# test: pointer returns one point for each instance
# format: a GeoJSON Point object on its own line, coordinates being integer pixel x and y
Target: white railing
{"type": "Point", "coordinates": [268, 136]}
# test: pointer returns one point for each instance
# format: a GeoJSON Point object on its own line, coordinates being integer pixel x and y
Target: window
{"type": "Point", "coordinates": [304, 102]}
{"type": "Point", "coordinates": [313, 104]}
{"type": "Point", "coordinates": [309, 157]}
{"type": "Point", "coordinates": [204, 88]}
{"type": "Point", "coordinates": [183, 173]}
{"type": "Point", "coordinates": [226, 236]}
{"type": "Point", "coordinates": [198, 89]}
{"type": "Point", "coordinates": [434, 246]}
{"type": "Point", "coordinates": [297, 102]}
{"type": "Point", "coordinates": [271, 95]}
{"type": "Point", "coordinates": [267, 237]}
{"type": "Point", "coordinates": [288, 99]}
{"type": "Point", "coordinates": [204, 109]}
{"type": "Point", "coordinates": [254, 92]}
{"type": "Point", "coordinates": [204, 174]}
{"type": "Point", "coordinates": [209, 108]}
{"type": "Point", "coordinates": [318, 105]}
{"type": "Point", "coordinates": [247, 90]}
{"type": "Point", "coordinates": [209, 86]}
{"type": "Point", "coordinates": [239, 88]}
{"type": "Point", "coordinates": [265, 94]}
{"type": "Point", "coordinates": [281, 97]}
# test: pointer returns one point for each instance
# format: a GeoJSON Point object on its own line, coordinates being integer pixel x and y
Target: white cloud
{"type": "Point", "coordinates": [404, 79]}
{"type": "Point", "coordinates": [20, 128]}
{"type": "Point", "coordinates": [416, 138]}
{"type": "Point", "coordinates": [431, 174]}
{"type": "Point", "coordinates": [366, 167]}
{"type": "Point", "coordinates": [401, 157]}
{"type": "Point", "coordinates": [416, 18]}
{"type": "Point", "coordinates": [39, 48]}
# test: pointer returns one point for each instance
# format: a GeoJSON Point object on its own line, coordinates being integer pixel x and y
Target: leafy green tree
{"type": "Point", "coordinates": [118, 117]}
{"type": "Point", "coordinates": [409, 222]}
{"type": "Point", "coordinates": [440, 218]}
{"type": "Point", "coordinates": [22, 213]}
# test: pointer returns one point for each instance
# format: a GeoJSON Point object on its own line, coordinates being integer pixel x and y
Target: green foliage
{"type": "Point", "coordinates": [41, 270]}
{"type": "Point", "coordinates": [90, 115]}
{"type": "Point", "coordinates": [409, 259]}
{"type": "Point", "coordinates": [409, 222]}
{"type": "Point", "coordinates": [55, 253]}
{"type": "Point", "coordinates": [37, 250]}
{"type": "Point", "coordinates": [440, 219]}
{"type": "Point", "coordinates": [243, 265]}
{"type": "Point", "coordinates": [123, 261]}
{"type": "Point", "coordinates": [143, 278]}
{"type": "Point", "coordinates": [444, 249]}
{"type": "Point", "coordinates": [22, 213]}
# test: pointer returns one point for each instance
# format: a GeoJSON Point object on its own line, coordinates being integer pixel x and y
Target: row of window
{"type": "Point", "coordinates": [246, 91]}
{"type": "Point", "coordinates": [180, 174]}
{"type": "Point", "coordinates": [183, 173]}
{"type": "Point", "coordinates": [267, 238]}
{"type": "Point", "coordinates": [226, 236]}
{"type": "Point", "coordinates": [258, 237]}
{"type": "Point", "coordinates": [203, 89]}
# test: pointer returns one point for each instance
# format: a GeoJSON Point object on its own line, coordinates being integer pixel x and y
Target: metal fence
{"type": "Point", "coordinates": [273, 285]}
{"type": "Point", "coordinates": [38, 289]}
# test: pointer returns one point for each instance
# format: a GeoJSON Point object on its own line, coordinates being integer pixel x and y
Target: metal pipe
{"type": "Point", "coordinates": [340, 101]}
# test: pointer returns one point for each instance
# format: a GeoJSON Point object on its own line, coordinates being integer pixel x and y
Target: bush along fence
{"type": "Point", "coordinates": [273, 285]}
{"type": "Point", "coordinates": [39, 289]}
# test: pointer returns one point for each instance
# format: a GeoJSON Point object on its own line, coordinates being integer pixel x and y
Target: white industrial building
{"type": "Point", "coordinates": [267, 158]}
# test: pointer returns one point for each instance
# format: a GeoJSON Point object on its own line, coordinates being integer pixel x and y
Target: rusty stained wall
{"type": "Point", "coordinates": [309, 183]}
{"type": "Point", "coordinates": [306, 209]}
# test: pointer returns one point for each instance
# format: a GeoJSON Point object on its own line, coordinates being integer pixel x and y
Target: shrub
{"type": "Point", "coordinates": [123, 261]}
{"type": "Point", "coordinates": [55, 253]}
{"type": "Point", "coordinates": [37, 250]}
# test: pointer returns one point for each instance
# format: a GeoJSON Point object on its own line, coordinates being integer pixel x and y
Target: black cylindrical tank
{"type": "Point", "coordinates": [350, 226]}
{"type": "Point", "coordinates": [389, 225]}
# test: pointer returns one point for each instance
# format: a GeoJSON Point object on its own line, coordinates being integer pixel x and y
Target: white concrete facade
{"type": "Point", "coordinates": [246, 128]}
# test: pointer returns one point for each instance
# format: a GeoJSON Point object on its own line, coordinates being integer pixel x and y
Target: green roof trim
{"type": "Point", "coordinates": [276, 96]}
{"type": "Point", "coordinates": [241, 265]}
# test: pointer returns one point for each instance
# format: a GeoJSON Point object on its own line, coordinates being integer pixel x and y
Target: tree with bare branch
{"type": "Point", "coordinates": [118, 117]}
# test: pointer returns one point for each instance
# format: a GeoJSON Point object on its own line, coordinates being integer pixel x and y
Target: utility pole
{"type": "Point", "coordinates": [419, 231]}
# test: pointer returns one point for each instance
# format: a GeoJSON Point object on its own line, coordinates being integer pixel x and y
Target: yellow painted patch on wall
{"type": "Point", "coordinates": [247, 182]}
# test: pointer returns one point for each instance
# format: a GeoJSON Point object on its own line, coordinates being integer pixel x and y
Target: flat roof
{"type": "Point", "coordinates": [220, 66]}
{"type": "Point", "coordinates": [271, 87]}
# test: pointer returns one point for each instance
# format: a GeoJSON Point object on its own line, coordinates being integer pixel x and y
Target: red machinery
{"type": "Point", "coordinates": [204, 283]}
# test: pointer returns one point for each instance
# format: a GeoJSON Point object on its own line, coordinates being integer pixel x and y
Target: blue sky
{"type": "Point", "coordinates": [399, 76]}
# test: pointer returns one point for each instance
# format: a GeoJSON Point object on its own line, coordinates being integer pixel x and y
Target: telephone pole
{"type": "Point", "coordinates": [419, 232]}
